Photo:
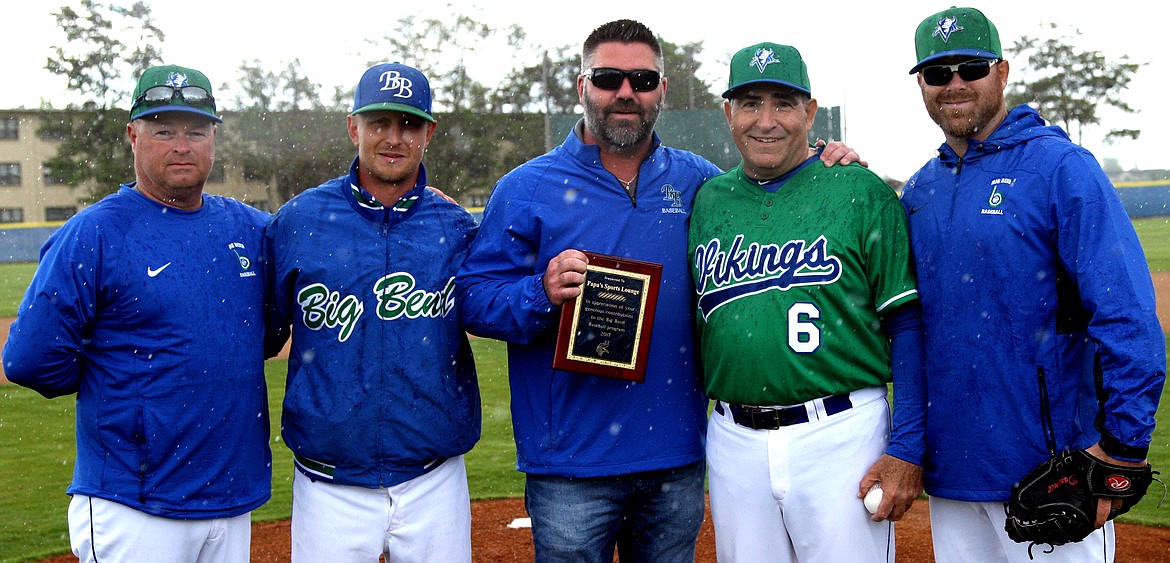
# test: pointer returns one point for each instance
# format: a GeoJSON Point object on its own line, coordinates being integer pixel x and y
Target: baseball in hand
{"type": "Point", "coordinates": [873, 498]}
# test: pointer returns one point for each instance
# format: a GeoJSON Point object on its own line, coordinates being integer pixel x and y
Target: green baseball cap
{"type": "Point", "coordinates": [173, 88]}
{"type": "Point", "coordinates": [768, 63]}
{"type": "Point", "coordinates": [956, 32]}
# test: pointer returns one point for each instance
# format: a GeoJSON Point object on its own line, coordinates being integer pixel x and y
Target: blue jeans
{"type": "Point", "coordinates": [651, 517]}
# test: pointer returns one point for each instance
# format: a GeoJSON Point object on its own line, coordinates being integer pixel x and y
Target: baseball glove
{"type": "Point", "coordinates": [1056, 503]}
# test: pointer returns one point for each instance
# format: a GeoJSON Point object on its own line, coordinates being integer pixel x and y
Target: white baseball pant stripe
{"type": "Point", "coordinates": [102, 531]}
{"type": "Point", "coordinates": [425, 519]}
{"type": "Point", "coordinates": [791, 494]}
{"type": "Point", "coordinates": [974, 531]}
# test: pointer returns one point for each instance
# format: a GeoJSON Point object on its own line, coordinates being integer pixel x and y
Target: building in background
{"type": "Point", "coordinates": [31, 193]}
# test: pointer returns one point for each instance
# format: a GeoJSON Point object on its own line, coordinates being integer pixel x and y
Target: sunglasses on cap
{"type": "Point", "coordinates": [641, 80]}
{"type": "Point", "coordinates": [191, 95]}
{"type": "Point", "coordinates": [970, 71]}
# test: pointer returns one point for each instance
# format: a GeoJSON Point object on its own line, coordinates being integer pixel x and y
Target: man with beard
{"type": "Point", "coordinates": [1038, 307]}
{"type": "Point", "coordinates": [608, 462]}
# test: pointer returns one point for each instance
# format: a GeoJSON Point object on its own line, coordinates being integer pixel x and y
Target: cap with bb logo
{"type": "Point", "coordinates": [956, 32]}
{"type": "Point", "coordinates": [394, 87]}
{"type": "Point", "coordinates": [768, 63]}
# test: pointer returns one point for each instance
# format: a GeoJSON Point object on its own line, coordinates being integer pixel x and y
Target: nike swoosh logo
{"type": "Point", "coordinates": [153, 272]}
{"type": "Point", "coordinates": [916, 209]}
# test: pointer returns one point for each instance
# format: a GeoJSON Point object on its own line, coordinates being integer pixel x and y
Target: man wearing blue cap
{"type": "Point", "coordinates": [148, 306]}
{"type": "Point", "coordinates": [806, 310]}
{"type": "Point", "coordinates": [1038, 305]}
{"type": "Point", "coordinates": [382, 399]}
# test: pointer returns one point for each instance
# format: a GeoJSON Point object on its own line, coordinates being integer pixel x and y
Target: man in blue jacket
{"type": "Point", "coordinates": [382, 399]}
{"type": "Point", "coordinates": [1033, 285]}
{"type": "Point", "coordinates": [149, 306]}
{"type": "Point", "coordinates": [608, 462]}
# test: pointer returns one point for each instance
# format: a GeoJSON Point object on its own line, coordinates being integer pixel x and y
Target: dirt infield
{"type": "Point", "coordinates": [492, 541]}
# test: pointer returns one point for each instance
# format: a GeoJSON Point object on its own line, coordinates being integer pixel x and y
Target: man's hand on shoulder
{"type": "Point", "coordinates": [440, 193]}
{"type": "Point", "coordinates": [837, 153]}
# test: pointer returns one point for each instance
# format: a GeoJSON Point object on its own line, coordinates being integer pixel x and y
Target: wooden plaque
{"type": "Point", "coordinates": [606, 330]}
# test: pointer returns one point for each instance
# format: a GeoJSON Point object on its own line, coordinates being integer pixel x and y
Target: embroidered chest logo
{"type": "Point", "coordinates": [946, 27]}
{"type": "Point", "coordinates": [995, 199]}
{"type": "Point", "coordinates": [238, 249]}
{"type": "Point", "coordinates": [397, 298]}
{"type": "Point", "coordinates": [672, 195]}
{"type": "Point", "coordinates": [738, 272]}
{"type": "Point", "coordinates": [669, 194]}
{"type": "Point", "coordinates": [393, 80]}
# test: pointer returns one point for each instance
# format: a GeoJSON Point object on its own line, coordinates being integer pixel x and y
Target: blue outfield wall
{"type": "Point", "coordinates": [21, 242]}
{"type": "Point", "coordinates": [1145, 199]}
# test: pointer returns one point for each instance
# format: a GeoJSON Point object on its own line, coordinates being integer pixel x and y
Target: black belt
{"type": "Point", "coordinates": [771, 418]}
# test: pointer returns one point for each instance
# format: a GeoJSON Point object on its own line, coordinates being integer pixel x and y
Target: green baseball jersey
{"type": "Point", "coordinates": [791, 284]}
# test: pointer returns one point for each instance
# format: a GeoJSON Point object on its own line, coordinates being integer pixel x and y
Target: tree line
{"type": "Point", "coordinates": [286, 131]}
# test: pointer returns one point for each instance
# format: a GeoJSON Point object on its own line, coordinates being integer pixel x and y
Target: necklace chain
{"type": "Point", "coordinates": [629, 184]}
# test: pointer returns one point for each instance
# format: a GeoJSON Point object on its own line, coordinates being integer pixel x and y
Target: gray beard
{"type": "Point", "coordinates": [620, 138]}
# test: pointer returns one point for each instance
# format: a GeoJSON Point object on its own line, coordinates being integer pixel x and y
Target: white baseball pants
{"type": "Point", "coordinates": [101, 531]}
{"type": "Point", "coordinates": [974, 531]}
{"type": "Point", "coordinates": [791, 494]}
{"type": "Point", "coordinates": [425, 519]}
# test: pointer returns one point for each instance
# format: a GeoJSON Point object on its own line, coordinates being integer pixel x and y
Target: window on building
{"type": "Point", "coordinates": [50, 178]}
{"type": "Point", "coordinates": [9, 127]}
{"type": "Point", "coordinates": [9, 173]}
{"type": "Point", "coordinates": [11, 215]}
{"type": "Point", "coordinates": [53, 129]}
{"type": "Point", "coordinates": [60, 213]}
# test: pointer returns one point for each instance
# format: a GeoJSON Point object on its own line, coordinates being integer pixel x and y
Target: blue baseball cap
{"type": "Point", "coordinates": [393, 87]}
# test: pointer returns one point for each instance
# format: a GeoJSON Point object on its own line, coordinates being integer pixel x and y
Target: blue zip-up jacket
{"type": "Point", "coordinates": [154, 316]}
{"type": "Point", "coordinates": [381, 382]}
{"type": "Point", "coordinates": [1028, 266]}
{"type": "Point", "coordinates": [566, 423]}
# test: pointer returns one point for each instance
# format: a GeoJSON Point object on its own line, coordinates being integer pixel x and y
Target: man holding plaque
{"type": "Point", "coordinates": [609, 461]}
{"type": "Point", "coordinates": [805, 295]}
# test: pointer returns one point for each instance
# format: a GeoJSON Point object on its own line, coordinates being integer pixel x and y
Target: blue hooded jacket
{"type": "Point", "coordinates": [1028, 266]}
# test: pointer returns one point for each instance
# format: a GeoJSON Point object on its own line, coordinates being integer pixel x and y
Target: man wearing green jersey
{"type": "Point", "coordinates": [807, 308]}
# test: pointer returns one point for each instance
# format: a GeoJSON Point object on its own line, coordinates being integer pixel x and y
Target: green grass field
{"type": "Point", "coordinates": [37, 437]}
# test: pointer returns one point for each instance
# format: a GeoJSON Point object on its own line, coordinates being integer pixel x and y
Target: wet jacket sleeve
{"type": "Point", "coordinates": [499, 287]}
{"type": "Point", "coordinates": [55, 319]}
{"type": "Point", "coordinates": [1103, 257]}
{"type": "Point", "coordinates": [277, 310]}
{"type": "Point", "coordinates": [903, 326]}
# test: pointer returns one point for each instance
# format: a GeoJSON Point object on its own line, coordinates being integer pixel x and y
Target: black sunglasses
{"type": "Point", "coordinates": [970, 71]}
{"type": "Point", "coordinates": [192, 95]}
{"type": "Point", "coordinates": [641, 80]}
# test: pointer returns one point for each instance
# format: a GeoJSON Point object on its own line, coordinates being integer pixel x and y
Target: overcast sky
{"type": "Point", "coordinates": [858, 52]}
